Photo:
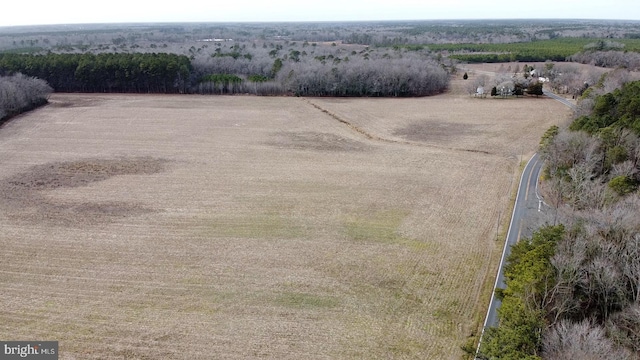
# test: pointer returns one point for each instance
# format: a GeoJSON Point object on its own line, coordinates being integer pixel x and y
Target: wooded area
{"type": "Point", "coordinates": [573, 290]}
{"type": "Point", "coordinates": [600, 52]}
{"type": "Point", "coordinates": [262, 71]}
{"type": "Point", "coordinates": [143, 72]}
{"type": "Point", "coordinates": [411, 58]}
{"type": "Point", "coordinates": [19, 93]}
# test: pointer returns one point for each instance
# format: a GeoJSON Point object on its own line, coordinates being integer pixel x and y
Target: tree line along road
{"type": "Point", "coordinates": [529, 212]}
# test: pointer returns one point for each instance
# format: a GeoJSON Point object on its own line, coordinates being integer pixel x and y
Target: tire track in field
{"type": "Point", "coordinates": [373, 137]}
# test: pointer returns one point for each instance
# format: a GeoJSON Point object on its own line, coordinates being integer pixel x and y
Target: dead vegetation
{"type": "Point", "coordinates": [191, 227]}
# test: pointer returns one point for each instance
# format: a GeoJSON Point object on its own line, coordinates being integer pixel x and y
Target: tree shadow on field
{"type": "Point", "coordinates": [23, 196]}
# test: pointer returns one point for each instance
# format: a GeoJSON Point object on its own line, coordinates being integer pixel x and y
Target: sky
{"type": "Point", "coordinates": [39, 12]}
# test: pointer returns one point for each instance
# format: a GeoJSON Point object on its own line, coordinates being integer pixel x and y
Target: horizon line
{"type": "Point", "coordinates": [172, 22]}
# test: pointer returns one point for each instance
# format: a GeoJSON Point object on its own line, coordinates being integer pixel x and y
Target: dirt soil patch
{"type": "Point", "coordinates": [436, 131]}
{"type": "Point", "coordinates": [25, 194]}
{"type": "Point", "coordinates": [316, 141]}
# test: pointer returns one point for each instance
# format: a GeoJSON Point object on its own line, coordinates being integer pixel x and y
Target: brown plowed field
{"type": "Point", "coordinates": [194, 227]}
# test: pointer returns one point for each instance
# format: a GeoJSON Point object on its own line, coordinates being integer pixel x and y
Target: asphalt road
{"type": "Point", "coordinates": [527, 198]}
{"type": "Point", "coordinates": [559, 98]}
{"type": "Point", "coordinates": [528, 202]}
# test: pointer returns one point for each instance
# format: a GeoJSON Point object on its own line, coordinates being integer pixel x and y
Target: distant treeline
{"type": "Point", "coordinates": [19, 93]}
{"type": "Point", "coordinates": [532, 56]}
{"type": "Point", "coordinates": [310, 69]}
{"type": "Point", "coordinates": [558, 49]}
{"type": "Point", "coordinates": [177, 37]}
{"type": "Point", "coordinates": [609, 59]}
{"type": "Point", "coordinates": [384, 77]}
{"type": "Point", "coordinates": [300, 70]}
{"type": "Point", "coordinates": [119, 72]}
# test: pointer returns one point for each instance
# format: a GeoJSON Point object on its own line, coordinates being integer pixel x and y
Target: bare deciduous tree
{"type": "Point", "coordinates": [567, 262]}
{"type": "Point", "coordinates": [610, 59]}
{"type": "Point", "coordinates": [624, 327]}
{"type": "Point", "coordinates": [583, 340]}
{"type": "Point", "coordinates": [19, 93]}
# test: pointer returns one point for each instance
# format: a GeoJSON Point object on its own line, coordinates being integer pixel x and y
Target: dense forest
{"type": "Point", "coordinates": [600, 52]}
{"type": "Point", "coordinates": [573, 288]}
{"type": "Point", "coordinates": [300, 69]}
{"type": "Point", "coordinates": [19, 93]}
{"type": "Point", "coordinates": [160, 73]}
{"type": "Point", "coordinates": [326, 70]}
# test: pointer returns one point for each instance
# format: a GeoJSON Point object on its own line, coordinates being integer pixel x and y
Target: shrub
{"type": "Point", "coordinates": [623, 185]}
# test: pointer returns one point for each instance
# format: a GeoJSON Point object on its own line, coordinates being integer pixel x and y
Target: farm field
{"type": "Point", "coordinates": [235, 227]}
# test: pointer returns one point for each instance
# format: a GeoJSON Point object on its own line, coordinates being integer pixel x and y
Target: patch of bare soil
{"type": "Point", "coordinates": [436, 131]}
{"type": "Point", "coordinates": [316, 141]}
{"type": "Point", "coordinates": [25, 194]}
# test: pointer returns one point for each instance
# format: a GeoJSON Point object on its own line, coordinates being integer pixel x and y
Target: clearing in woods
{"type": "Point", "coordinates": [192, 227]}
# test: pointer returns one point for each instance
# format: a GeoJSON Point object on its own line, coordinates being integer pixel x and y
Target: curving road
{"type": "Point", "coordinates": [559, 98]}
{"type": "Point", "coordinates": [528, 202]}
{"type": "Point", "coordinates": [527, 198]}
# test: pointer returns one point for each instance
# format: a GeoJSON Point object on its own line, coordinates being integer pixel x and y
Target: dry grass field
{"type": "Point", "coordinates": [195, 227]}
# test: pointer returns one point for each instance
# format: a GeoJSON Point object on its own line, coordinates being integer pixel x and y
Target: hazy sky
{"type": "Point", "coordinates": [33, 12]}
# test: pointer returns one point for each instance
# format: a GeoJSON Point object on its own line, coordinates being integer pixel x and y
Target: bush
{"type": "Point", "coordinates": [619, 108]}
{"type": "Point", "coordinates": [623, 185]}
{"type": "Point", "coordinates": [529, 274]}
{"type": "Point", "coordinates": [548, 137]}
{"type": "Point", "coordinates": [258, 78]}
{"type": "Point", "coordinates": [535, 89]}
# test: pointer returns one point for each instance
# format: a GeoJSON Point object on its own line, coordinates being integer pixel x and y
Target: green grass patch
{"type": "Point", "coordinates": [381, 227]}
